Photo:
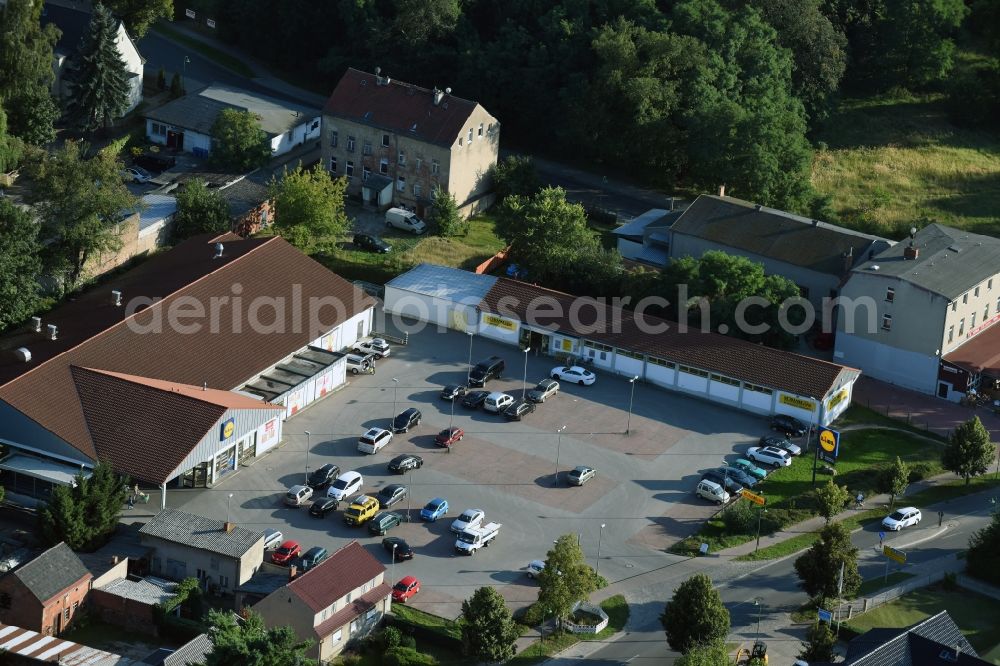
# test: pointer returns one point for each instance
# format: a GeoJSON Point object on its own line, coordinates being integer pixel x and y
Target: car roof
{"type": "Point", "coordinates": [290, 543]}
{"type": "Point", "coordinates": [403, 456]}
{"type": "Point", "coordinates": [581, 468]}
{"type": "Point", "coordinates": [410, 410]}
{"type": "Point", "coordinates": [409, 580]}
{"type": "Point", "coordinates": [496, 394]}
{"type": "Point", "coordinates": [908, 508]}
{"type": "Point", "coordinates": [540, 564]}
{"type": "Point", "coordinates": [472, 511]}
{"type": "Point", "coordinates": [374, 431]}
{"type": "Point", "coordinates": [314, 550]}
{"type": "Point", "coordinates": [349, 476]}
{"type": "Point", "coordinates": [437, 500]}
{"type": "Point", "coordinates": [773, 449]}
{"type": "Point", "coordinates": [710, 483]}
{"type": "Point", "coordinates": [392, 486]}
{"type": "Point", "coordinates": [297, 488]}
{"type": "Point", "coordinates": [362, 499]}
{"type": "Point", "coordinates": [270, 530]}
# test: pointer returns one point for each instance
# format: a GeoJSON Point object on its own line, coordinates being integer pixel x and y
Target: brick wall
{"type": "Point", "coordinates": [51, 618]}
{"type": "Point", "coordinates": [121, 612]}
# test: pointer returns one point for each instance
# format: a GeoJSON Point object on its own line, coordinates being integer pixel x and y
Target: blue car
{"type": "Point", "coordinates": [436, 508]}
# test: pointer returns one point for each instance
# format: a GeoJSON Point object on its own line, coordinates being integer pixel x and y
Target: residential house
{"type": "Point", "coordinates": [185, 124]}
{"type": "Point", "coordinates": [396, 143]}
{"type": "Point", "coordinates": [646, 238]}
{"type": "Point", "coordinates": [74, 25]}
{"type": "Point", "coordinates": [222, 556]}
{"type": "Point", "coordinates": [24, 647]}
{"type": "Point", "coordinates": [936, 641]}
{"type": "Point", "coordinates": [815, 255]}
{"type": "Point", "coordinates": [45, 594]}
{"type": "Point", "coordinates": [340, 600]}
{"type": "Point", "coordinates": [924, 313]}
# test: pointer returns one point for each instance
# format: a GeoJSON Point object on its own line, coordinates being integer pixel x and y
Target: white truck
{"type": "Point", "coordinates": [473, 538]}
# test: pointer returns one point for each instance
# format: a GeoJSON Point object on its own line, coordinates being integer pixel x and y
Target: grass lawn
{"type": "Point", "coordinates": [618, 612]}
{"type": "Point", "coordinates": [215, 55]}
{"type": "Point", "coordinates": [860, 415]}
{"type": "Point", "coordinates": [439, 624]}
{"type": "Point", "coordinates": [975, 615]}
{"type": "Point", "coordinates": [895, 160]}
{"type": "Point", "coordinates": [873, 585]}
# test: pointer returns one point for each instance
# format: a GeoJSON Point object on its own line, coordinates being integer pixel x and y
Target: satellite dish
{"type": "Point", "coordinates": [219, 247]}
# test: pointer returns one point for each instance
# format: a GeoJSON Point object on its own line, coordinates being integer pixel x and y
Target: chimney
{"type": "Point", "coordinates": [36, 323]}
{"type": "Point", "coordinates": [438, 96]}
{"type": "Point", "coordinates": [292, 572]}
{"type": "Point", "coordinates": [229, 527]}
{"type": "Point", "coordinates": [910, 253]}
{"type": "Point", "coordinates": [116, 298]}
{"type": "Point", "coordinates": [848, 260]}
{"type": "Point", "coordinates": [722, 190]}
{"type": "Point", "coordinates": [53, 331]}
{"type": "Point", "coordinates": [114, 559]}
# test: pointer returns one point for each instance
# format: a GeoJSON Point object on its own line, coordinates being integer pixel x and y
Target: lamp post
{"type": "Point", "coordinates": [468, 374]}
{"type": "Point", "coordinates": [558, 446]}
{"type": "Point", "coordinates": [600, 537]}
{"type": "Point", "coordinates": [760, 606]}
{"type": "Point", "coordinates": [394, 563]}
{"type": "Point", "coordinates": [308, 443]}
{"type": "Point", "coordinates": [230, 499]}
{"type": "Point", "coordinates": [395, 385]}
{"type": "Point", "coordinates": [524, 378]}
{"type": "Point", "coordinates": [760, 515]}
{"type": "Point", "coordinates": [184, 67]}
{"type": "Point", "coordinates": [628, 421]}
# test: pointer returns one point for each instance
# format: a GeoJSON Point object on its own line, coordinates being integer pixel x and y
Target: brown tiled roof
{"type": "Point", "coordinates": [980, 354]}
{"type": "Point", "coordinates": [95, 334]}
{"type": "Point", "coordinates": [399, 107]}
{"type": "Point", "coordinates": [738, 359]}
{"type": "Point", "coordinates": [352, 610]}
{"type": "Point", "coordinates": [350, 567]}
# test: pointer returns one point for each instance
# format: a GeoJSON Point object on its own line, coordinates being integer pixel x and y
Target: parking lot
{"type": "Point", "coordinates": [642, 494]}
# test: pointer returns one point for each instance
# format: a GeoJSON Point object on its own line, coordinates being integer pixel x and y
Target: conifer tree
{"type": "Point", "coordinates": [99, 78]}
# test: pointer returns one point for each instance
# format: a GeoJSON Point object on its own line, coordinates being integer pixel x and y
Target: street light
{"type": "Point", "coordinates": [628, 422]}
{"type": "Point", "coordinates": [393, 574]}
{"type": "Point", "coordinates": [524, 379]}
{"type": "Point", "coordinates": [558, 446]}
{"type": "Point", "coordinates": [760, 515]}
{"type": "Point", "coordinates": [395, 385]}
{"type": "Point", "coordinates": [760, 606]}
{"type": "Point", "coordinates": [227, 506]}
{"type": "Point", "coordinates": [308, 442]}
{"type": "Point", "coordinates": [468, 374]}
{"type": "Point", "coordinates": [600, 537]}
{"type": "Point", "coordinates": [184, 66]}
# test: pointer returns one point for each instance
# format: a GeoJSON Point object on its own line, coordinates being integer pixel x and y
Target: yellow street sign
{"type": "Point", "coordinates": [753, 497]}
{"type": "Point", "coordinates": [894, 555]}
{"type": "Point", "coordinates": [828, 441]}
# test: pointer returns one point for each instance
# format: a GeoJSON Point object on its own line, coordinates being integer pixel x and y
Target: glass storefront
{"type": "Point", "coordinates": [225, 463]}
{"type": "Point", "coordinates": [247, 448]}
{"type": "Point", "coordinates": [196, 477]}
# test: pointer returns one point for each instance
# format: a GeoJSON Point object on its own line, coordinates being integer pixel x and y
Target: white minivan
{"type": "Point", "coordinates": [712, 491]}
{"type": "Point", "coordinates": [496, 402]}
{"type": "Point", "coordinates": [400, 218]}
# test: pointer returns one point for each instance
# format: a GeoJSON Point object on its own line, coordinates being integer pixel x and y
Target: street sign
{"type": "Point", "coordinates": [894, 555]}
{"type": "Point", "coordinates": [829, 441]}
{"type": "Point", "coordinates": [828, 459]}
{"type": "Point", "coordinates": [825, 615]}
{"type": "Point", "coordinates": [881, 536]}
{"type": "Point", "coordinates": [754, 497]}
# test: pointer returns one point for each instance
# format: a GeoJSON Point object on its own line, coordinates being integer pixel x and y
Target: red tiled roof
{"type": "Point", "coordinates": [350, 567]}
{"type": "Point", "coordinates": [352, 610]}
{"type": "Point", "coordinates": [94, 333]}
{"type": "Point", "coordinates": [980, 354]}
{"type": "Point", "coordinates": [399, 107]}
{"type": "Point", "coordinates": [724, 355]}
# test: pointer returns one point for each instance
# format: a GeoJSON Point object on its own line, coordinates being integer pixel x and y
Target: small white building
{"type": "Point", "coordinates": [186, 123]}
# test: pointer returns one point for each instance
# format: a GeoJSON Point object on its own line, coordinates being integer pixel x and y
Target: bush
{"type": "Point", "coordinates": [531, 616]}
{"type": "Point", "coordinates": [406, 640]}
{"type": "Point", "coordinates": [391, 637]}
{"type": "Point", "coordinates": [404, 656]}
{"type": "Point", "coordinates": [740, 518]}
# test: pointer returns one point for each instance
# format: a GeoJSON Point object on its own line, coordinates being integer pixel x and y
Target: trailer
{"type": "Point", "coordinates": [473, 538]}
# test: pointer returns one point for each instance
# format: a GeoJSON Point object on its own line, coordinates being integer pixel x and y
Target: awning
{"type": "Point", "coordinates": [981, 354]}
{"type": "Point", "coordinates": [46, 470]}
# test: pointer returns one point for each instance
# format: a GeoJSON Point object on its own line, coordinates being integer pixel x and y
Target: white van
{"type": "Point", "coordinates": [712, 491]}
{"type": "Point", "coordinates": [496, 402]}
{"type": "Point", "coordinates": [400, 218]}
{"type": "Point", "coordinates": [357, 364]}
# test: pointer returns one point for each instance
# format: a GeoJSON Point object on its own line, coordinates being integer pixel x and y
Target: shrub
{"type": "Point", "coordinates": [406, 640]}
{"type": "Point", "coordinates": [739, 518]}
{"type": "Point", "coordinates": [404, 656]}
{"type": "Point", "coordinates": [531, 616]}
{"type": "Point", "coordinates": [391, 637]}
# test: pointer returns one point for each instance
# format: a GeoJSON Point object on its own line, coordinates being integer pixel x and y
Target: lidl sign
{"type": "Point", "coordinates": [829, 441]}
{"type": "Point", "coordinates": [227, 429]}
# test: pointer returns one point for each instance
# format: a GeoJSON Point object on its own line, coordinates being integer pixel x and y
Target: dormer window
{"type": "Point", "coordinates": [886, 322]}
{"type": "Point", "coordinates": [890, 295]}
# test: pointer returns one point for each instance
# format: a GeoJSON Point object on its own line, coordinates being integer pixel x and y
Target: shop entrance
{"type": "Point", "coordinates": [539, 342]}
{"type": "Point", "coordinates": [247, 450]}
{"type": "Point", "coordinates": [225, 463]}
{"type": "Point", "coordinates": [196, 477]}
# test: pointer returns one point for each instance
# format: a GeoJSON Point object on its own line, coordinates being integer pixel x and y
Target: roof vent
{"type": "Point", "coordinates": [23, 354]}
{"type": "Point", "coordinates": [219, 247]}
{"type": "Point", "coordinates": [438, 96]}
{"type": "Point", "coordinates": [53, 331]}
{"type": "Point", "coordinates": [116, 298]}
{"type": "Point", "coordinates": [447, 91]}
{"type": "Point", "coordinates": [36, 324]}
{"type": "Point", "coordinates": [954, 248]}
{"type": "Point", "coordinates": [413, 128]}
{"type": "Point", "coordinates": [910, 253]}
{"type": "Point", "coordinates": [875, 267]}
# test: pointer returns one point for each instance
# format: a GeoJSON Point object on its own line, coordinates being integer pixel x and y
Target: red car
{"type": "Point", "coordinates": [405, 589]}
{"type": "Point", "coordinates": [286, 552]}
{"type": "Point", "coordinates": [449, 436]}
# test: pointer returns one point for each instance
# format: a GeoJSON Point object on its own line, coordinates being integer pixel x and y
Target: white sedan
{"type": "Point", "coordinates": [769, 455]}
{"type": "Point", "coordinates": [573, 375]}
{"type": "Point", "coordinates": [469, 518]}
{"type": "Point", "coordinates": [901, 518]}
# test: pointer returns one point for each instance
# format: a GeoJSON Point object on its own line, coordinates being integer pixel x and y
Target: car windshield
{"type": "Point", "coordinates": [353, 511]}
{"type": "Point", "coordinates": [401, 586]}
{"type": "Point", "coordinates": [340, 484]}
{"type": "Point", "coordinates": [467, 538]}
{"type": "Point", "coordinates": [431, 506]}
{"type": "Point", "coordinates": [897, 515]}
{"type": "Point", "coordinates": [467, 516]}
{"type": "Point", "coordinates": [284, 550]}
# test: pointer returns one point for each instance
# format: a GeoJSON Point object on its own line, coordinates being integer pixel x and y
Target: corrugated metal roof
{"type": "Point", "coordinates": [157, 207]}
{"type": "Point", "coordinates": [150, 590]}
{"type": "Point", "coordinates": [201, 533]}
{"type": "Point", "coordinates": [450, 284]}
{"type": "Point", "coordinates": [192, 652]}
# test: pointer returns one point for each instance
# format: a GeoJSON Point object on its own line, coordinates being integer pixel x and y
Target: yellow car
{"type": "Point", "coordinates": [362, 509]}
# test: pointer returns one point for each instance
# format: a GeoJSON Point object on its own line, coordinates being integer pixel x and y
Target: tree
{"type": "Point", "coordinates": [894, 479]}
{"type": "Point", "coordinates": [138, 15]}
{"type": "Point", "coordinates": [240, 143]}
{"type": "Point", "coordinates": [566, 578]}
{"type": "Point", "coordinates": [26, 74]}
{"type": "Point", "coordinates": [819, 643]}
{"type": "Point", "coordinates": [10, 146]}
{"type": "Point", "coordinates": [819, 567]}
{"type": "Point", "coordinates": [969, 451]}
{"type": "Point", "coordinates": [705, 654]}
{"type": "Point", "coordinates": [176, 86]}
{"type": "Point", "coordinates": [831, 499]}
{"type": "Point", "coordinates": [200, 210]}
{"type": "Point", "coordinates": [80, 201]}
{"type": "Point", "coordinates": [85, 515]}
{"type": "Point", "coordinates": [445, 214]}
{"type": "Point", "coordinates": [983, 556]}
{"type": "Point", "coordinates": [161, 79]}
{"type": "Point", "coordinates": [309, 207]}
{"type": "Point", "coordinates": [695, 615]}
{"type": "Point", "coordinates": [488, 629]}
{"type": "Point", "coordinates": [98, 77]}
{"type": "Point", "coordinates": [20, 264]}
{"type": "Point", "coordinates": [247, 642]}
{"type": "Point", "coordinates": [515, 174]}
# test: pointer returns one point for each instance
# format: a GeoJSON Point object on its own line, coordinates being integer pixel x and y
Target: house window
{"type": "Point", "coordinates": [986, 312]}
{"type": "Point", "coordinates": [366, 148]}
{"type": "Point", "coordinates": [417, 189]}
{"type": "Point", "coordinates": [383, 166]}
{"type": "Point", "coordinates": [365, 173]}
{"type": "Point", "coordinates": [354, 627]}
{"type": "Point", "coordinates": [470, 135]}
{"type": "Point", "coordinates": [401, 184]}
{"type": "Point", "coordinates": [76, 604]}
{"type": "Point", "coordinates": [349, 169]}
{"type": "Point", "coordinates": [461, 141]}
{"type": "Point", "coordinates": [435, 167]}
{"type": "Point", "coordinates": [337, 636]}
{"type": "Point", "coordinates": [480, 129]}
{"type": "Point", "coordinates": [224, 581]}
{"type": "Point", "coordinates": [402, 158]}
{"type": "Point", "coordinates": [158, 129]}
{"type": "Point", "coordinates": [333, 165]}
{"type": "Point", "coordinates": [385, 140]}
{"type": "Point", "coordinates": [350, 144]}
{"type": "Point", "coordinates": [66, 614]}
{"type": "Point", "coordinates": [333, 139]}
{"type": "Point", "coordinates": [965, 298]}
{"type": "Point", "coordinates": [954, 304]}
{"type": "Point", "coordinates": [989, 285]}
{"type": "Point", "coordinates": [886, 322]}
{"type": "Point", "coordinates": [961, 327]}
{"type": "Point", "coordinates": [972, 321]}
{"type": "Point", "coordinates": [420, 161]}
{"type": "Point", "coordinates": [951, 333]}
{"type": "Point", "coordinates": [372, 612]}
{"type": "Point", "coordinates": [977, 292]}
{"type": "Point", "coordinates": [653, 360]}
{"type": "Point", "coordinates": [890, 295]}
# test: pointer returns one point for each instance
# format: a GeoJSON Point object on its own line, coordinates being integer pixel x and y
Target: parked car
{"type": "Point", "coordinates": [769, 456]}
{"type": "Point", "coordinates": [434, 509]}
{"type": "Point", "coordinates": [712, 491]}
{"type": "Point", "coordinates": [780, 443]}
{"type": "Point", "coordinates": [408, 418]}
{"type": "Point", "coordinates": [469, 518]}
{"type": "Point", "coordinates": [362, 509]}
{"type": "Point", "coordinates": [298, 495]}
{"type": "Point", "coordinates": [272, 538]}
{"type": "Point", "coordinates": [360, 363]}
{"type": "Point", "coordinates": [405, 220]}
{"type": "Point", "coordinates": [742, 478]}
{"type": "Point", "coordinates": [496, 402]}
{"type": "Point", "coordinates": [535, 567]}
{"type": "Point", "coordinates": [346, 485]}
{"type": "Point", "coordinates": [286, 552]}
{"type": "Point", "coordinates": [543, 389]}
{"type": "Point", "coordinates": [901, 518]}
{"type": "Point", "coordinates": [397, 548]}
{"type": "Point", "coordinates": [374, 440]}
{"type": "Point", "coordinates": [732, 486]}
{"type": "Point", "coordinates": [449, 436]}
{"type": "Point", "coordinates": [372, 244]}
{"type": "Point", "coordinates": [750, 468]}
{"type": "Point", "coordinates": [383, 522]}
{"type": "Point", "coordinates": [312, 557]}
{"type": "Point", "coordinates": [405, 589]}
{"type": "Point", "coordinates": [394, 493]}
{"type": "Point", "coordinates": [789, 425]}
{"type": "Point", "coordinates": [491, 368]}
{"type": "Point", "coordinates": [573, 375]}
{"type": "Point", "coordinates": [404, 463]}
{"type": "Point", "coordinates": [322, 477]}
{"type": "Point", "coordinates": [323, 506]}
{"type": "Point", "coordinates": [475, 399]}
{"type": "Point", "coordinates": [580, 475]}
{"type": "Point", "coordinates": [136, 174]}
{"type": "Point", "coordinates": [453, 392]}
{"type": "Point", "coordinates": [376, 346]}
{"type": "Point", "coordinates": [518, 409]}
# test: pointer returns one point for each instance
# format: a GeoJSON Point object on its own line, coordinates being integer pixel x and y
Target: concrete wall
{"type": "Point", "coordinates": [897, 366]}
{"type": "Point", "coordinates": [117, 571]}
{"type": "Point", "coordinates": [126, 613]}
{"type": "Point", "coordinates": [134, 244]}
{"type": "Point", "coordinates": [308, 130]}
{"type": "Point", "coordinates": [472, 155]}
{"type": "Point", "coordinates": [212, 565]}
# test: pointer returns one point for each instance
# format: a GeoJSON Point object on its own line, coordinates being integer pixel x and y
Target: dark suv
{"type": "Point", "coordinates": [789, 425]}
{"type": "Point", "coordinates": [324, 476]}
{"type": "Point", "coordinates": [155, 163]}
{"type": "Point", "coordinates": [491, 368]}
{"type": "Point", "coordinates": [731, 485]}
{"type": "Point", "coordinates": [372, 243]}
{"type": "Point", "coordinates": [406, 420]}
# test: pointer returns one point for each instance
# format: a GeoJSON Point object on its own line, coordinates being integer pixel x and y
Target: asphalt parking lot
{"type": "Point", "coordinates": [642, 495]}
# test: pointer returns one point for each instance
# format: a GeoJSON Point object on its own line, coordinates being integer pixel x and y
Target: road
{"type": "Point", "coordinates": [776, 584]}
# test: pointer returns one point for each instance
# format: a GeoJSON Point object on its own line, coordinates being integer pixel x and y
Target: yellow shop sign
{"type": "Point", "coordinates": [500, 322]}
{"type": "Point", "coordinates": [797, 402]}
